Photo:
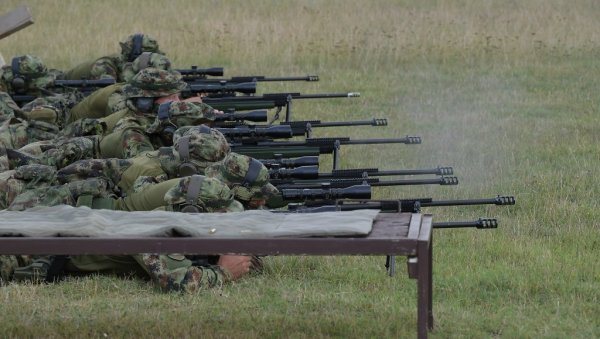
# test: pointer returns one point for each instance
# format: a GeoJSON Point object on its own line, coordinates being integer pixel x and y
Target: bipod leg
{"type": "Point", "coordinates": [390, 265]}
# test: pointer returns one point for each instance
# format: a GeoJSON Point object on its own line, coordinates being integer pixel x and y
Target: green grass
{"type": "Point", "coordinates": [505, 92]}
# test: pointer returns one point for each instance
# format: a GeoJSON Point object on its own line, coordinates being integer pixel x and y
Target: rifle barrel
{"type": "Point", "coordinates": [482, 223]}
{"type": "Point", "coordinates": [367, 172]}
{"type": "Point", "coordinates": [345, 182]}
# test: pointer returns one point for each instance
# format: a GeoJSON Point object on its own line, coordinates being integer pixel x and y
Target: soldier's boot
{"type": "Point", "coordinates": [16, 159]}
{"type": "Point", "coordinates": [36, 272]}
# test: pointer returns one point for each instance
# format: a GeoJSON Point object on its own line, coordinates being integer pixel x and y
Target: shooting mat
{"type": "Point", "coordinates": [85, 222]}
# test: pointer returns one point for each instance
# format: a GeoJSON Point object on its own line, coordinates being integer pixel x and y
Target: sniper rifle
{"type": "Point", "coordinates": [268, 101]}
{"type": "Point", "coordinates": [347, 182]}
{"type": "Point", "coordinates": [84, 86]}
{"type": "Point", "coordinates": [311, 146]}
{"type": "Point", "coordinates": [312, 172]}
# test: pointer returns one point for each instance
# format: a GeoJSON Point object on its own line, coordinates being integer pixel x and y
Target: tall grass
{"type": "Point", "coordinates": [503, 91]}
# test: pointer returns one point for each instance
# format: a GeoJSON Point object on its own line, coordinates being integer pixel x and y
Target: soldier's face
{"type": "Point", "coordinates": [169, 98]}
{"type": "Point", "coordinates": [256, 203]}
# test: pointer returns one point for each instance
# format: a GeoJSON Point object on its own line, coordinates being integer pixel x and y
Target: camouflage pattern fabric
{"type": "Point", "coordinates": [9, 188]}
{"type": "Point", "coordinates": [83, 127]}
{"type": "Point", "coordinates": [126, 141]}
{"type": "Point", "coordinates": [16, 133]}
{"type": "Point", "coordinates": [108, 67]}
{"type": "Point", "coordinates": [8, 263]}
{"type": "Point", "coordinates": [175, 273]}
{"type": "Point", "coordinates": [112, 66]}
{"type": "Point", "coordinates": [34, 73]}
{"type": "Point", "coordinates": [15, 182]}
{"type": "Point", "coordinates": [57, 153]}
{"type": "Point", "coordinates": [145, 60]}
{"type": "Point", "coordinates": [145, 181]}
{"type": "Point", "coordinates": [154, 83]}
{"type": "Point", "coordinates": [148, 44]}
{"type": "Point", "coordinates": [205, 148]}
{"type": "Point", "coordinates": [213, 195]}
{"type": "Point", "coordinates": [110, 169]}
{"type": "Point", "coordinates": [8, 107]}
{"type": "Point", "coordinates": [233, 169]}
{"type": "Point", "coordinates": [61, 105]}
{"type": "Point", "coordinates": [99, 104]}
{"type": "Point", "coordinates": [180, 114]}
{"type": "Point", "coordinates": [63, 153]}
{"type": "Point", "coordinates": [66, 194]}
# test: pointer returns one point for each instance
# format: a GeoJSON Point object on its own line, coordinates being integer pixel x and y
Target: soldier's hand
{"type": "Point", "coordinates": [236, 265]}
{"type": "Point", "coordinates": [195, 98]}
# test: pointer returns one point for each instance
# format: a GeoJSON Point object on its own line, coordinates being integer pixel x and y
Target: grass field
{"type": "Point", "coordinates": [506, 92]}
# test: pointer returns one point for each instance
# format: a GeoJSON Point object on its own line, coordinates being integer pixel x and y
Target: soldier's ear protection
{"type": "Point", "coordinates": [18, 81]}
{"type": "Point", "coordinates": [168, 127]}
{"type": "Point", "coordinates": [136, 48]}
{"type": "Point", "coordinates": [191, 204]}
{"type": "Point", "coordinates": [144, 104]}
{"type": "Point", "coordinates": [187, 168]}
{"type": "Point", "coordinates": [252, 174]}
{"type": "Point", "coordinates": [243, 190]}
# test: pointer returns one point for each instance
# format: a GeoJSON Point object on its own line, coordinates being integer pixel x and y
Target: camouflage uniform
{"type": "Point", "coordinates": [191, 155]}
{"type": "Point", "coordinates": [171, 272]}
{"type": "Point", "coordinates": [247, 178]}
{"type": "Point", "coordinates": [125, 129]}
{"type": "Point", "coordinates": [145, 60]}
{"type": "Point", "coordinates": [66, 151]}
{"type": "Point", "coordinates": [8, 107]}
{"type": "Point", "coordinates": [111, 99]}
{"type": "Point", "coordinates": [16, 133]}
{"type": "Point", "coordinates": [112, 66]}
{"type": "Point", "coordinates": [15, 182]}
{"type": "Point", "coordinates": [26, 75]}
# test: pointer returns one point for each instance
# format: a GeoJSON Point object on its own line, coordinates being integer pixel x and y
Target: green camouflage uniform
{"type": "Point", "coordinates": [16, 133]}
{"type": "Point", "coordinates": [112, 66]}
{"type": "Point", "coordinates": [145, 60]}
{"type": "Point", "coordinates": [170, 272]}
{"type": "Point", "coordinates": [125, 134]}
{"type": "Point", "coordinates": [8, 107]}
{"type": "Point", "coordinates": [32, 77]}
{"type": "Point", "coordinates": [111, 99]}
{"type": "Point", "coordinates": [190, 155]}
{"type": "Point", "coordinates": [247, 178]}
{"type": "Point", "coordinates": [24, 178]}
{"type": "Point", "coordinates": [63, 151]}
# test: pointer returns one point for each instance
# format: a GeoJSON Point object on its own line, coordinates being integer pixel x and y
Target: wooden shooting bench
{"type": "Point", "coordinates": [393, 234]}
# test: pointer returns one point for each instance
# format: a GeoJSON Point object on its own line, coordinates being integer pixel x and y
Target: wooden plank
{"type": "Point", "coordinates": [14, 21]}
{"type": "Point", "coordinates": [415, 226]}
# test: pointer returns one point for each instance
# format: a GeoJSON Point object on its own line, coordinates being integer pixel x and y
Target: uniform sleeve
{"type": "Point", "coordinates": [105, 68]}
{"type": "Point", "coordinates": [175, 273]}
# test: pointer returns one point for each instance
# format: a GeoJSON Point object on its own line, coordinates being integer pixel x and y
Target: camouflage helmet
{"type": "Point", "coordinates": [247, 177]}
{"type": "Point", "coordinates": [154, 83]}
{"type": "Point", "coordinates": [151, 59]}
{"type": "Point", "coordinates": [145, 60]}
{"type": "Point", "coordinates": [210, 194]}
{"type": "Point", "coordinates": [30, 70]}
{"type": "Point", "coordinates": [202, 146]}
{"type": "Point", "coordinates": [136, 44]}
{"type": "Point", "coordinates": [181, 113]}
